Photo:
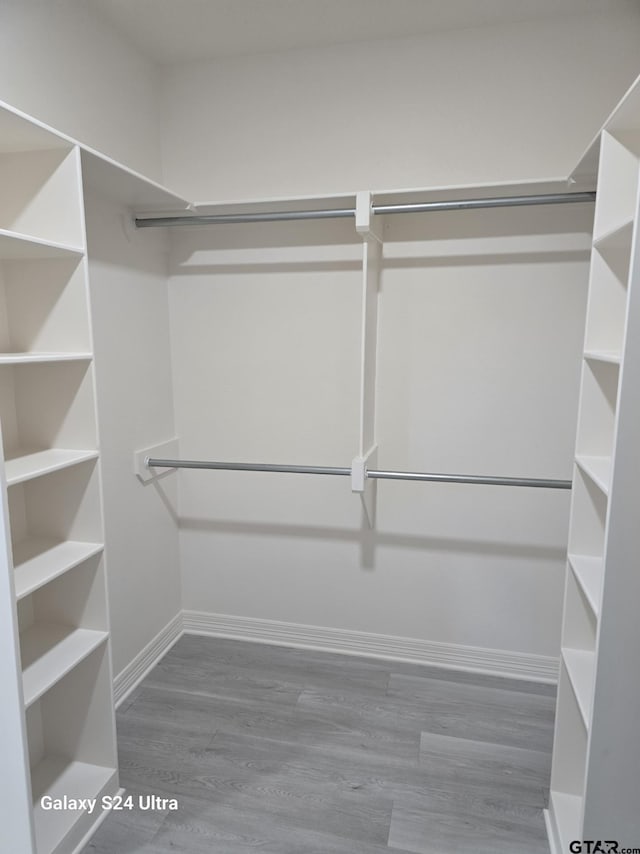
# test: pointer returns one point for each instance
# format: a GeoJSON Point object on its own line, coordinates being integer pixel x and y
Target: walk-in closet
{"type": "Point", "coordinates": [319, 358]}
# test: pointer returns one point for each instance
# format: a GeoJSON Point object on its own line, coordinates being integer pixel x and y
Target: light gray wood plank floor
{"type": "Point", "coordinates": [288, 751]}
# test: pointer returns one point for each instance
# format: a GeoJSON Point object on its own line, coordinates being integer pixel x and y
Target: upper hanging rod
{"type": "Point", "coordinates": [540, 483]}
{"type": "Point", "coordinates": [337, 213]}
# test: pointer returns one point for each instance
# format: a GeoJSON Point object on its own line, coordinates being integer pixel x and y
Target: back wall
{"type": "Point", "coordinates": [491, 104]}
{"type": "Point", "coordinates": [480, 336]}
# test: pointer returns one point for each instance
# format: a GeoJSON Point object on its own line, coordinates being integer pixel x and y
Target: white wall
{"type": "Point", "coordinates": [135, 409]}
{"type": "Point", "coordinates": [461, 107]}
{"type": "Point", "coordinates": [480, 339]}
{"type": "Point", "coordinates": [69, 69]}
{"type": "Point", "coordinates": [265, 321]}
{"type": "Point", "coordinates": [480, 330]}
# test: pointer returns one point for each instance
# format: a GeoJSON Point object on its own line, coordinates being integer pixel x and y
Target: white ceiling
{"type": "Point", "coordinates": [170, 31]}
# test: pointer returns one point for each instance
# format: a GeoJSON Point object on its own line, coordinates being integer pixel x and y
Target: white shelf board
{"type": "Point", "coordinates": [19, 132]}
{"type": "Point", "coordinates": [39, 561]}
{"type": "Point", "coordinates": [29, 466]}
{"type": "Point", "coordinates": [598, 469]}
{"type": "Point", "coordinates": [49, 651]}
{"type": "Point", "coordinates": [129, 188]}
{"type": "Point", "coordinates": [586, 170]}
{"type": "Point", "coordinates": [617, 238]}
{"type": "Point", "coordinates": [38, 358]}
{"type": "Point", "coordinates": [588, 572]}
{"type": "Point", "coordinates": [625, 115]}
{"type": "Point", "coordinates": [57, 777]}
{"type": "Point", "coordinates": [580, 666]}
{"type": "Point", "coordinates": [18, 247]}
{"type": "Point", "coordinates": [567, 812]}
{"type": "Point", "coordinates": [612, 357]}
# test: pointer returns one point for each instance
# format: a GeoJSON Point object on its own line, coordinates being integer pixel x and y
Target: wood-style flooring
{"type": "Point", "coordinates": [287, 751]}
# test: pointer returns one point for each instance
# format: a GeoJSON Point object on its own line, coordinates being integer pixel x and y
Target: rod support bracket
{"type": "Point", "coordinates": [141, 468]}
{"type": "Point", "coordinates": [367, 227]}
{"type": "Point", "coordinates": [363, 486]}
{"type": "Point", "coordinates": [358, 474]}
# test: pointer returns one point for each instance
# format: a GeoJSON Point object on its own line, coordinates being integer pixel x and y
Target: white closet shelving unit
{"type": "Point", "coordinates": [596, 751]}
{"type": "Point", "coordinates": [57, 713]}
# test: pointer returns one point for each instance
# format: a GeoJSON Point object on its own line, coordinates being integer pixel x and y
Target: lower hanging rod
{"type": "Point", "coordinates": [337, 213]}
{"type": "Point", "coordinates": [540, 483]}
{"type": "Point", "coordinates": [489, 480]}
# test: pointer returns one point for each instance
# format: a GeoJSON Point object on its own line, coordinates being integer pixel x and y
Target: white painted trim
{"type": "Point", "coordinates": [549, 824]}
{"type": "Point", "coordinates": [94, 827]}
{"type": "Point", "coordinates": [515, 665]}
{"type": "Point", "coordinates": [147, 658]}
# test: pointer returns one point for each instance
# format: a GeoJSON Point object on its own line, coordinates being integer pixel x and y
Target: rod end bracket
{"type": "Point", "coordinates": [141, 468]}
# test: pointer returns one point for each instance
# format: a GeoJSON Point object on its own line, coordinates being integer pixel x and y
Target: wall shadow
{"type": "Point", "coordinates": [370, 539]}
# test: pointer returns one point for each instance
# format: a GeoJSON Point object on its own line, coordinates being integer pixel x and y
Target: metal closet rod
{"type": "Point", "coordinates": [540, 483]}
{"type": "Point", "coordinates": [337, 213]}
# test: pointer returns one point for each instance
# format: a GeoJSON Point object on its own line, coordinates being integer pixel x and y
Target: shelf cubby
{"type": "Point", "coordinates": [579, 637]}
{"type": "Point", "coordinates": [60, 624]}
{"type": "Point", "coordinates": [49, 651]}
{"type": "Point", "coordinates": [48, 417]}
{"type": "Point", "coordinates": [580, 624]}
{"type": "Point", "coordinates": [41, 195]}
{"type": "Point", "coordinates": [56, 777]}
{"type": "Point", "coordinates": [568, 773]}
{"type": "Point", "coordinates": [59, 510]}
{"type": "Point", "coordinates": [43, 308]}
{"type": "Point", "coordinates": [606, 310]}
{"type": "Point", "coordinates": [569, 761]}
{"type": "Point", "coordinates": [597, 408]}
{"type": "Point", "coordinates": [617, 184]}
{"type": "Point", "coordinates": [580, 666]}
{"type": "Point", "coordinates": [588, 573]}
{"type": "Point", "coordinates": [597, 469]}
{"type": "Point", "coordinates": [615, 250]}
{"type": "Point", "coordinates": [71, 742]}
{"type": "Point", "coordinates": [589, 513]}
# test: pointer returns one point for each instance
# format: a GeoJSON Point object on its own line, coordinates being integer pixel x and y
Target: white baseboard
{"type": "Point", "coordinates": [136, 670]}
{"type": "Point", "coordinates": [516, 665]}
